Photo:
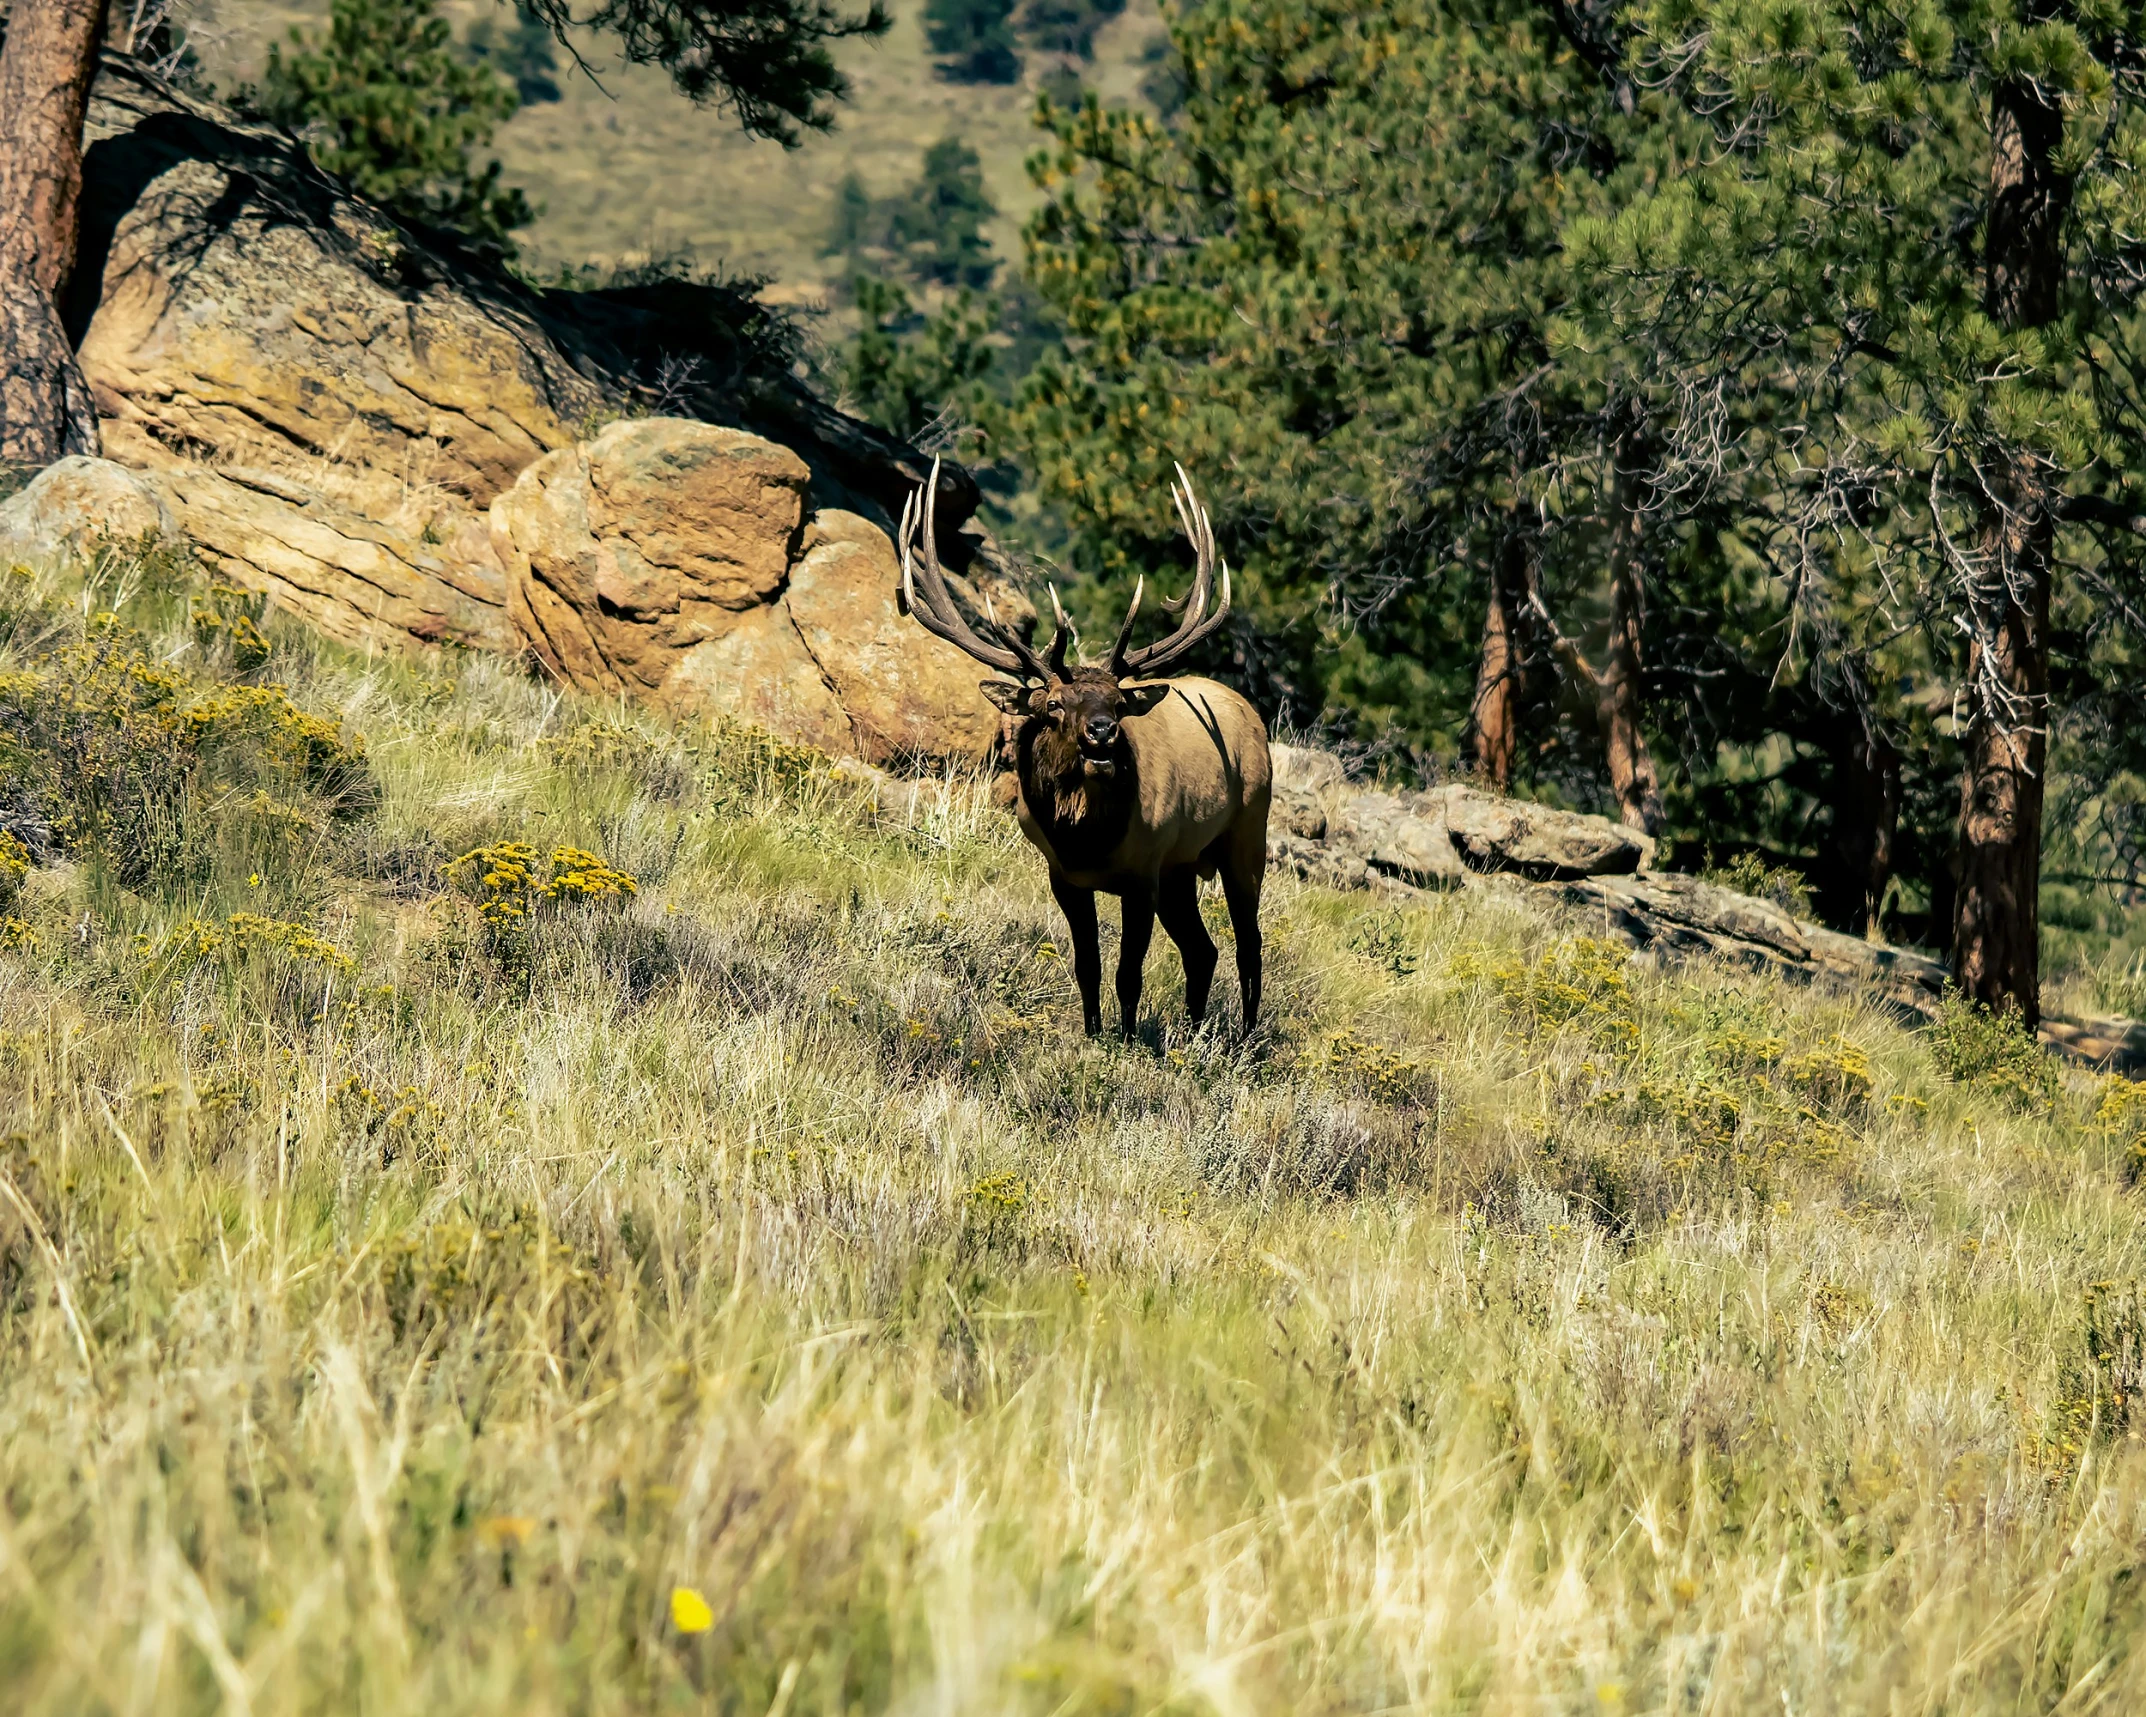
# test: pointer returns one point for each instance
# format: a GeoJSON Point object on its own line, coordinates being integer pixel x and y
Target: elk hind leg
{"type": "Point", "coordinates": [1078, 904]}
{"type": "Point", "coordinates": [1244, 872]}
{"type": "Point", "coordinates": [1178, 905]}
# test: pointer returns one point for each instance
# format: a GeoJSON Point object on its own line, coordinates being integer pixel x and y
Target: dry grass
{"type": "Point", "coordinates": [1503, 1329]}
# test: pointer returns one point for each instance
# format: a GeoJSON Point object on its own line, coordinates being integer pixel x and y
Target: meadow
{"type": "Point", "coordinates": [508, 1205]}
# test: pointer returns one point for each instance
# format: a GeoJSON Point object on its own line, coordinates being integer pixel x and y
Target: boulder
{"type": "Point", "coordinates": [910, 698]}
{"type": "Point", "coordinates": [359, 580]}
{"type": "Point", "coordinates": [234, 326]}
{"type": "Point", "coordinates": [69, 505]}
{"type": "Point", "coordinates": [672, 560]}
{"type": "Point", "coordinates": [1302, 814]}
{"type": "Point", "coordinates": [760, 671]}
{"type": "Point", "coordinates": [624, 553]}
{"type": "Point", "coordinates": [1299, 768]}
{"type": "Point", "coordinates": [1542, 843]}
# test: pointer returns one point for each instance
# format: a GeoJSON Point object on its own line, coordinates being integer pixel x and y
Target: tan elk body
{"type": "Point", "coordinates": [1127, 784]}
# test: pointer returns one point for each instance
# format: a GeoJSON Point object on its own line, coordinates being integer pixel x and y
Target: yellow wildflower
{"type": "Point", "coordinates": [690, 1613]}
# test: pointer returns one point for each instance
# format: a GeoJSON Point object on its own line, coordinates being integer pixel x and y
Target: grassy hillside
{"type": "Point", "coordinates": [426, 1285]}
{"type": "Point", "coordinates": [630, 169]}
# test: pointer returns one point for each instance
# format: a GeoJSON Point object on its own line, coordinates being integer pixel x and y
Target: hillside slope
{"type": "Point", "coordinates": [623, 168]}
{"type": "Point", "coordinates": [684, 1256]}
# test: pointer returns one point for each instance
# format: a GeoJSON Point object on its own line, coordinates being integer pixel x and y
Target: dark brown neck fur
{"type": "Point", "coordinates": [1083, 816]}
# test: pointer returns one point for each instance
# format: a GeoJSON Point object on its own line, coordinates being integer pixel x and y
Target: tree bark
{"type": "Point", "coordinates": [1631, 765]}
{"type": "Point", "coordinates": [1494, 718]}
{"type": "Point", "coordinates": [46, 63]}
{"type": "Point", "coordinates": [1996, 948]}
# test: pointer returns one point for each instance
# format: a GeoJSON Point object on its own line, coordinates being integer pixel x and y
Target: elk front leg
{"type": "Point", "coordinates": [1078, 904]}
{"type": "Point", "coordinates": [1133, 955]}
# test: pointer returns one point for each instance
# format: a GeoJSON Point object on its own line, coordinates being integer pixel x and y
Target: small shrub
{"type": "Point", "coordinates": [1777, 885]}
{"type": "Point", "coordinates": [1993, 1052]}
{"type": "Point", "coordinates": [2100, 1393]}
{"type": "Point", "coordinates": [513, 900]}
{"type": "Point", "coordinates": [14, 866]}
{"type": "Point", "coordinates": [594, 746]}
{"type": "Point", "coordinates": [1360, 1065]}
{"type": "Point", "coordinates": [1835, 1079]}
{"type": "Point", "coordinates": [1580, 982]}
{"type": "Point", "coordinates": [1384, 941]}
{"type": "Point", "coordinates": [2120, 1118]}
{"type": "Point", "coordinates": [741, 760]}
{"type": "Point", "coordinates": [241, 934]}
{"type": "Point", "coordinates": [226, 625]}
{"type": "Point", "coordinates": [118, 751]}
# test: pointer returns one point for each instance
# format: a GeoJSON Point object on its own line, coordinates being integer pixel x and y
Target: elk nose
{"type": "Point", "coordinates": [1102, 726]}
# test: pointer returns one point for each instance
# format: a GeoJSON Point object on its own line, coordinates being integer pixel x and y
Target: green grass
{"type": "Point", "coordinates": [630, 170]}
{"type": "Point", "coordinates": [397, 1301]}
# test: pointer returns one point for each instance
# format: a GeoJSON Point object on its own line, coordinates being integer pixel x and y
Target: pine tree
{"type": "Point", "coordinates": [523, 52]}
{"type": "Point", "coordinates": [937, 226]}
{"type": "Point", "coordinates": [910, 373]}
{"type": "Point", "coordinates": [974, 39]}
{"type": "Point", "coordinates": [765, 61]}
{"type": "Point", "coordinates": [384, 100]}
{"type": "Point", "coordinates": [856, 224]}
{"type": "Point", "coordinates": [1917, 229]}
{"type": "Point", "coordinates": [1329, 287]}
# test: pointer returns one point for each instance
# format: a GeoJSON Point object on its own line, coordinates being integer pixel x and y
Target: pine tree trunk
{"type": "Point", "coordinates": [1631, 766]}
{"type": "Point", "coordinates": [1494, 719]}
{"type": "Point", "coordinates": [46, 65]}
{"type": "Point", "coordinates": [1996, 950]}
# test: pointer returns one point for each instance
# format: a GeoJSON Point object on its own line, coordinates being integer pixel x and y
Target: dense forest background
{"type": "Point", "coordinates": [1722, 417]}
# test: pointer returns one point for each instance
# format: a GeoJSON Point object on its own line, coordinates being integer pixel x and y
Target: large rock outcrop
{"type": "Point", "coordinates": [1331, 831]}
{"type": "Point", "coordinates": [402, 444]}
{"type": "Point", "coordinates": [675, 561]}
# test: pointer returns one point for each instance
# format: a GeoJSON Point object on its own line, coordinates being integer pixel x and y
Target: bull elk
{"type": "Point", "coordinates": [1128, 784]}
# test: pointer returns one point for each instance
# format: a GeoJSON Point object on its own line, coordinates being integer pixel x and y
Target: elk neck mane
{"type": "Point", "coordinates": [1085, 816]}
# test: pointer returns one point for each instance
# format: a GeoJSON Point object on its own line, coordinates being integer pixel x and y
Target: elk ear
{"type": "Point", "coordinates": [1013, 700]}
{"type": "Point", "coordinates": [1141, 699]}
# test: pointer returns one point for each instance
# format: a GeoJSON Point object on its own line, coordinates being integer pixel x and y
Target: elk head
{"type": "Point", "coordinates": [1081, 710]}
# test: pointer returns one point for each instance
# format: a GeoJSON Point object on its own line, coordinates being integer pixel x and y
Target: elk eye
{"type": "Point", "coordinates": [1054, 706]}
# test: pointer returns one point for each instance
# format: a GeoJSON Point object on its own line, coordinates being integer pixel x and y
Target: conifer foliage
{"type": "Point", "coordinates": [1912, 242]}
{"type": "Point", "coordinates": [1723, 413]}
{"type": "Point", "coordinates": [385, 100]}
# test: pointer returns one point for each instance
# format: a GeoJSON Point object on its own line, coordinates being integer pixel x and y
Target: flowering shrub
{"type": "Point", "coordinates": [1579, 982]}
{"type": "Point", "coordinates": [14, 866]}
{"type": "Point", "coordinates": [1994, 1052]}
{"type": "Point", "coordinates": [512, 897]}
{"type": "Point", "coordinates": [241, 934]}
{"type": "Point", "coordinates": [226, 621]}
{"type": "Point", "coordinates": [114, 748]}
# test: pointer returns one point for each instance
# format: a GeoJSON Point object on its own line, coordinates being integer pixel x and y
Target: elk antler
{"type": "Point", "coordinates": [938, 615]}
{"type": "Point", "coordinates": [1197, 624]}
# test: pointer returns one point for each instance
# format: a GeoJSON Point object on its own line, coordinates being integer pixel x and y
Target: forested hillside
{"type": "Point", "coordinates": [621, 169]}
{"type": "Point", "coordinates": [1726, 423]}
